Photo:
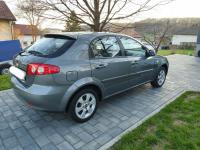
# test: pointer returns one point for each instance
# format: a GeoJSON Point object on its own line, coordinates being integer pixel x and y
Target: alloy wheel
{"type": "Point", "coordinates": [161, 77]}
{"type": "Point", "coordinates": [85, 105]}
{"type": "Point", "coordinates": [5, 71]}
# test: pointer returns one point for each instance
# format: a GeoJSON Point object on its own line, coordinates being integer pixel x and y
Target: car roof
{"type": "Point", "coordinates": [86, 35]}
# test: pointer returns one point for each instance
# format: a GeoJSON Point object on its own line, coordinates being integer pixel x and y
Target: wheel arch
{"type": "Point", "coordinates": [79, 85]}
{"type": "Point", "coordinates": [92, 86]}
{"type": "Point", "coordinates": [166, 67]}
{"type": "Point", "coordinates": [2, 66]}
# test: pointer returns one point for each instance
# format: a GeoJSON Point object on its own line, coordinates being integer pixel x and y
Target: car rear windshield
{"type": "Point", "coordinates": [50, 46]}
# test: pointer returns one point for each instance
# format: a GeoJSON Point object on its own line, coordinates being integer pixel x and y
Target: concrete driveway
{"type": "Point", "coordinates": [25, 128]}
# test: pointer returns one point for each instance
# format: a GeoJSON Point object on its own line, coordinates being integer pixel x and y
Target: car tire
{"type": "Point", "coordinates": [160, 78]}
{"type": "Point", "coordinates": [84, 105]}
{"type": "Point", "coordinates": [4, 69]}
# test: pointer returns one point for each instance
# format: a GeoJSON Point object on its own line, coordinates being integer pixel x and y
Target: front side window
{"type": "Point", "coordinates": [48, 46]}
{"type": "Point", "coordinates": [106, 47]}
{"type": "Point", "coordinates": [132, 47]}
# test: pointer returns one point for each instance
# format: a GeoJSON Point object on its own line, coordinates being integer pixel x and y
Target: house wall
{"type": "Point", "coordinates": [180, 39]}
{"type": "Point", "coordinates": [26, 40]}
{"type": "Point", "coordinates": [5, 30]}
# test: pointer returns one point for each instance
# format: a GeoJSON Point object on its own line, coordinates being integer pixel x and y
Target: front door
{"type": "Point", "coordinates": [108, 65]}
{"type": "Point", "coordinates": [141, 67]}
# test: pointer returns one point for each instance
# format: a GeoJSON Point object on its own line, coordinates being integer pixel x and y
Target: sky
{"type": "Point", "coordinates": [175, 9]}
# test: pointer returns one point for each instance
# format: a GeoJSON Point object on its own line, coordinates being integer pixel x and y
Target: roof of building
{"type": "Point", "coordinates": [124, 28]}
{"type": "Point", "coordinates": [23, 29]}
{"type": "Point", "coordinates": [5, 12]}
{"type": "Point", "coordinates": [131, 32]}
{"type": "Point", "coordinates": [51, 30]}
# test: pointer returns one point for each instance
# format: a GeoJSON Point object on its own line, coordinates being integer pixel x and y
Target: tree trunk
{"type": "Point", "coordinates": [96, 16]}
{"type": "Point", "coordinates": [32, 33]}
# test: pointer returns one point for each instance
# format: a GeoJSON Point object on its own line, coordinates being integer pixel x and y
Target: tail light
{"type": "Point", "coordinates": [42, 69]}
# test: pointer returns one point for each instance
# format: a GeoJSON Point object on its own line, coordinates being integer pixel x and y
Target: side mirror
{"type": "Point", "coordinates": [151, 53]}
{"type": "Point", "coordinates": [144, 47]}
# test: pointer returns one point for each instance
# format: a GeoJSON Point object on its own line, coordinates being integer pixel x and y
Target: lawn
{"type": "Point", "coordinates": [177, 126]}
{"type": "Point", "coordinates": [176, 51]}
{"type": "Point", "coordinates": [5, 82]}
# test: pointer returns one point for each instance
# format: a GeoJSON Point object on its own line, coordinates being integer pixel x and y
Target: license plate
{"type": "Point", "coordinates": [17, 72]}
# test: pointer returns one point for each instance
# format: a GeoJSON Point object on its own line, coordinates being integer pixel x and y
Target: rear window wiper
{"type": "Point", "coordinates": [35, 52]}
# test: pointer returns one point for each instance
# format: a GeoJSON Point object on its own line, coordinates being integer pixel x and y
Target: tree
{"type": "Point", "coordinates": [17, 33]}
{"type": "Point", "coordinates": [98, 13]}
{"type": "Point", "coordinates": [32, 11]}
{"type": "Point", "coordinates": [158, 35]}
{"type": "Point", "coordinates": [72, 23]}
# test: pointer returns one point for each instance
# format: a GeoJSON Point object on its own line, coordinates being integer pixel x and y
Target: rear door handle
{"type": "Point", "coordinates": [100, 66]}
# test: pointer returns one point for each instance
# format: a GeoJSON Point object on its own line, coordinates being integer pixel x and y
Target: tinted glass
{"type": "Point", "coordinates": [106, 47]}
{"type": "Point", "coordinates": [48, 46]}
{"type": "Point", "coordinates": [132, 47]}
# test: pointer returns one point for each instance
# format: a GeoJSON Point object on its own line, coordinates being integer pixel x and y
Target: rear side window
{"type": "Point", "coordinates": [106, 47]}
{"type": "Point", "coordinates": [50, 46]}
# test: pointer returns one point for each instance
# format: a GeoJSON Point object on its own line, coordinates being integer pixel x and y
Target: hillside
{"type": "Point", "coordinates": [186, 26]}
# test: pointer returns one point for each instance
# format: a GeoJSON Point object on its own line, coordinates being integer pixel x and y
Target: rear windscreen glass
{"type": "Point", "coordinates": [49, 46]}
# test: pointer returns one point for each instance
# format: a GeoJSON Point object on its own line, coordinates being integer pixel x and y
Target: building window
{"type": "Point", "coordinates": [25, 43]}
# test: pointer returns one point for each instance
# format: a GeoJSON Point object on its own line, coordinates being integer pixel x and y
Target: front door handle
{"type": "Point", "coordinates": [134, 62]}
{"type": "Point", "coordinates": [100, 66]}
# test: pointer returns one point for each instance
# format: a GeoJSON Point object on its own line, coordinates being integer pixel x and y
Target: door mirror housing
{"type": "Point", "coordinates": [151, 53]}
{"type": "Point", "coordinates": [144, 47]}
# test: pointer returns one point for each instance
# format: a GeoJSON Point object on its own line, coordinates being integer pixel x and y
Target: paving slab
{"type": "Point", "coordinates": [24, 128]}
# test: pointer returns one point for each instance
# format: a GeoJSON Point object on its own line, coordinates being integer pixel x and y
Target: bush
{"type": "Point", "coordinates": [5, 82]}
{"type": "Point", "coordinates": [190, 46]}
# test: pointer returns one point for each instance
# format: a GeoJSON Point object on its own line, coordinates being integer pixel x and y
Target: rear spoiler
{"type": "Point", "coordinates": [63, 36]}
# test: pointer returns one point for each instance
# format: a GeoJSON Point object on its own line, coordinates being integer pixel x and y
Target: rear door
{"type": "Point", "coordinates": [108, 64]}
{"type": "Point", "coordinates": [141, 66]}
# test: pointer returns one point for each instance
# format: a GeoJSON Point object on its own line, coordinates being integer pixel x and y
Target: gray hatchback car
{"type": "Point", "coordinates": [72, 72]}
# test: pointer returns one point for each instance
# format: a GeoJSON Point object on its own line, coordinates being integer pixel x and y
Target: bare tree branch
{"type": "Point", "coordinates": [98, 13]}
{"type": "Point", "coordinates": [158, 35]}
{"type": "Point", "coordinates": [31, 11]}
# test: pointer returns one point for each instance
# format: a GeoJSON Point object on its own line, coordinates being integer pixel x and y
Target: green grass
{"type": "Point", "coordinates": [5, 82]}
{"type": "Point", "coordinates": [175, 127]}
{"type": "Point", "coordinates": [176, 51]}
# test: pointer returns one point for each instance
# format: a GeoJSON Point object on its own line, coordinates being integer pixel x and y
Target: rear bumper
{"type": "Point", "coordinates": [40, 97]}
